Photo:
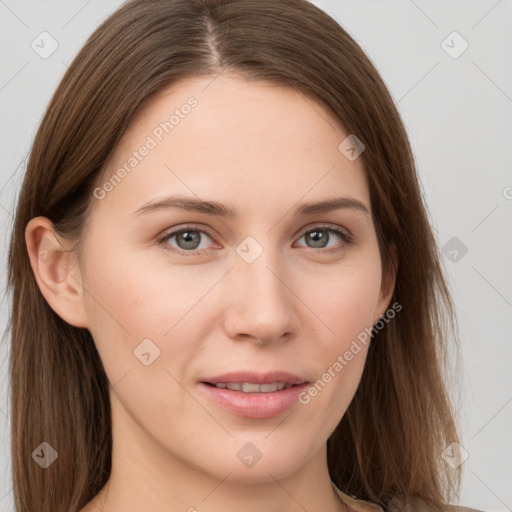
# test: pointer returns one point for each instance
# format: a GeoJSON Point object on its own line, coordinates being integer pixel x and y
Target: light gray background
{"type": "Point", "coordinates": [458, 113]}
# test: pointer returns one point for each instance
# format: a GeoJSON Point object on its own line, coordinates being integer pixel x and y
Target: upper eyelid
{"type": "Point", "coordinates": [174, 231]}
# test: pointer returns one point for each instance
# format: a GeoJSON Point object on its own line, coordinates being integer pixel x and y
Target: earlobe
{"type": "Point", "coordinates": [388, 283]}
{"type": "Point", "coordinates": [56, 271]}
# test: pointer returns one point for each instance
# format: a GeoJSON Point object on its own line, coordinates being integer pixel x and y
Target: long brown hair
{"type": "Point", "coordinates": [390, 440]}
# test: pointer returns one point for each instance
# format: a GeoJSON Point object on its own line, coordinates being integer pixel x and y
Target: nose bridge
{"type": "Point", "coordinates": [263, 304]}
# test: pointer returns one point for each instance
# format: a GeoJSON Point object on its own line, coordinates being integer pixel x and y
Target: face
{"type": "Point", "coordinates": [202, 312]}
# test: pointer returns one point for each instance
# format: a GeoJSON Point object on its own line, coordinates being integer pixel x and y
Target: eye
{"type": "Point", "coordinates": [189, 240]}
{"type": "Point", "coordinates": [320, 236]}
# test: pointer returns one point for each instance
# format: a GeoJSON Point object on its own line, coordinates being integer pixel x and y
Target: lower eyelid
{"type": "Point", "coordinates": [346, 238]}
{"type": "Point", "coordinates": [167, 236]}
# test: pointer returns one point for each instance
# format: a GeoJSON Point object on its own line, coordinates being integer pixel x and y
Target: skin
{"type": "Point", "coordinates": [262, 149]}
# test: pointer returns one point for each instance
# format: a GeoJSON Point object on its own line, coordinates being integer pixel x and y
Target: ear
{"type": "Point", "coordinates": [387, 285]}
{"type": "Point", "coordinates": [56, 271]}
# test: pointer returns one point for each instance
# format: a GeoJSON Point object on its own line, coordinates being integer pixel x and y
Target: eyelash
{"type": "Point", "coordinates": [347, 238]}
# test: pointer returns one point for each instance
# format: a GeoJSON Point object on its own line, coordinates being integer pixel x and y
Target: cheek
{"type": "Point", "coordinates": [345, 302]}
{"type": "Point", "coordinates": [177, 307]}
{"type": "Point", "coordinates": [131, 300]}
{"type": "Point", "coordinates": [140, 327]}
{"type": "Point", "coordinates": [346, 298]}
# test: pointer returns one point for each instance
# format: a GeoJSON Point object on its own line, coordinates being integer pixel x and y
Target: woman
{"type": "Point", "coordinates": [226, 292]}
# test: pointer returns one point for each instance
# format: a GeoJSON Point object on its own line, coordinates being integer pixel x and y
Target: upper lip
{"type": "Point", "coordinates": [257, 378]}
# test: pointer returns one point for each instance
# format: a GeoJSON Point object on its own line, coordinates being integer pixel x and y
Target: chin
{"type": "Point", "coordinates": [258, 461]}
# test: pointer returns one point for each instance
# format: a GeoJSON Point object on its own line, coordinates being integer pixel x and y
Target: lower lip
{"type": "Point", "coordinates": [254, 405]}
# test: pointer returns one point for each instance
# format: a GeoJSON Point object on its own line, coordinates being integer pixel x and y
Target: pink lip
{"type": "Point", "coordinates": [256, 378]}
{"type": "Point", "coordinates": [255, 405]}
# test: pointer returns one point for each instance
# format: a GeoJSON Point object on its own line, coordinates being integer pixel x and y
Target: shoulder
{"type": "Point", "coordinates": [418, 505]}
{"type": "Point", "coordinates": [459, 508]}
{"type": "Point", "coordinates": [359, 505]}
{"type": "Point", "coordinates": [355, 504]}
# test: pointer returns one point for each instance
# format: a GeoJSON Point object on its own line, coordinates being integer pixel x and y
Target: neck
{"type": "Point", "coordinates": [145, 476]}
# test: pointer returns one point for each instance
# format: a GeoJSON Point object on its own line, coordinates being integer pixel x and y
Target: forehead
{"type": "Point", "coordinates": [226, 138]}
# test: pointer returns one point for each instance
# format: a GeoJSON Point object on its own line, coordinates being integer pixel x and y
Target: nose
{"type": "Point", "coordinates": [261, 305]}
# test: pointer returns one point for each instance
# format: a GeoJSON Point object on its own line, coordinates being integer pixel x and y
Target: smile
{"type": "Point", "coordinates": [248, 387]}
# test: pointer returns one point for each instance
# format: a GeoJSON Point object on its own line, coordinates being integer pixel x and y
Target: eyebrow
{"type": "Point", "coordinates": [218, 209]}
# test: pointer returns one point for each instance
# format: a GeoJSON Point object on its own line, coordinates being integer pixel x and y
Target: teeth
{"type": "Point", "coordinates": [251, 388]}
{"type": "Point", "coordinates": [248, 387]}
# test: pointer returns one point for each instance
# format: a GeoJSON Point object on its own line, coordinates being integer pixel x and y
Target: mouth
{"type": "Point", "coordinates": [254, 395]}
{"type": "Point", "coordinates": [252, 387]}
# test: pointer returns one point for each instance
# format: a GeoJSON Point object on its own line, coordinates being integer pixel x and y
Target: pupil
{"type": "Point", "coordinates": [317, 236]}
{"type": "Point", "coordinates": [187, 237]}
